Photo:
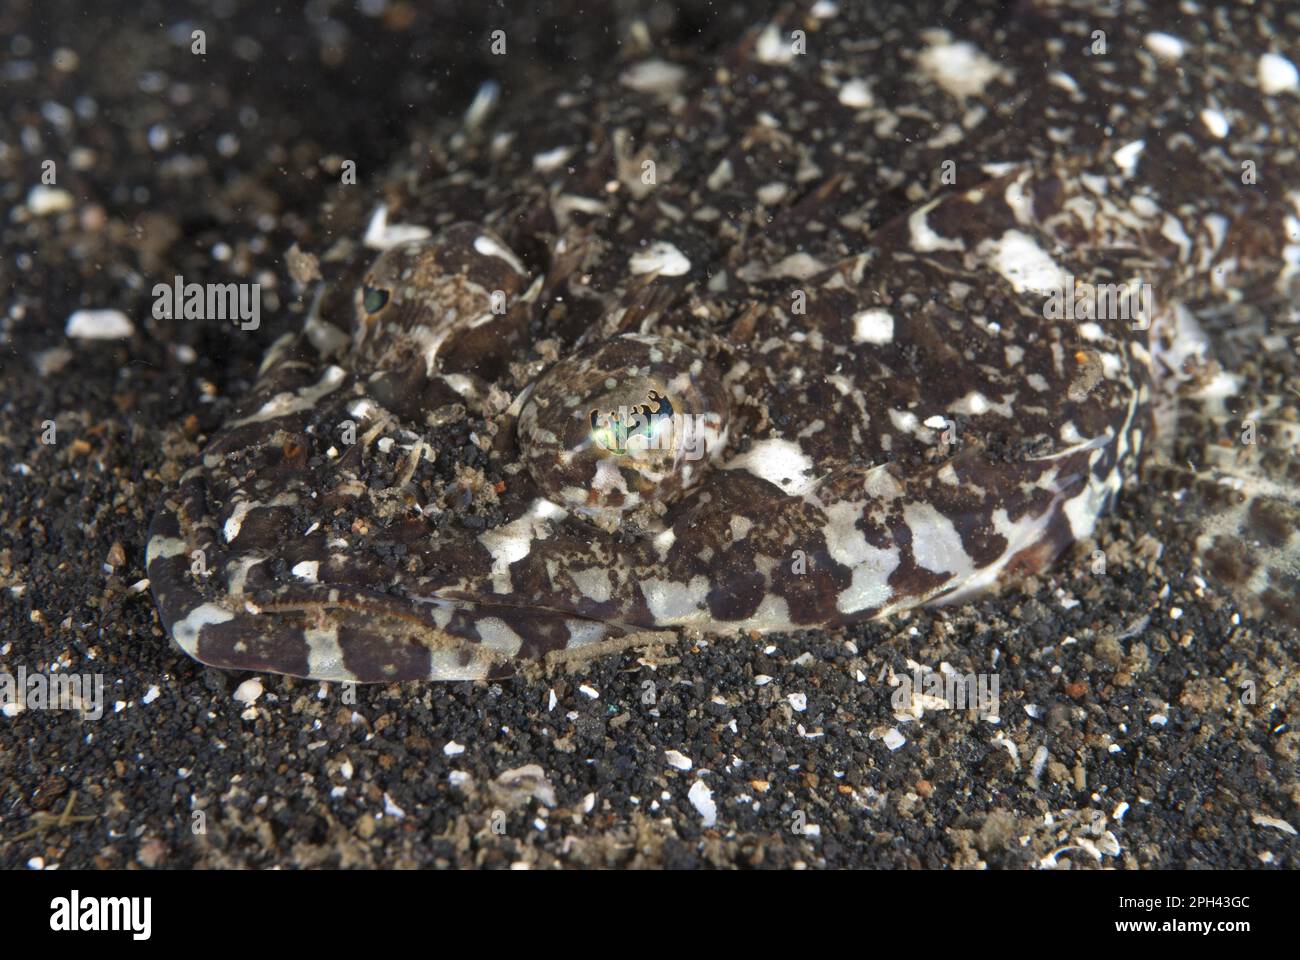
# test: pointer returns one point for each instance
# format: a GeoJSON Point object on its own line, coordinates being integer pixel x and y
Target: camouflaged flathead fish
{"type": "Point", "coordinates": [878, 308]}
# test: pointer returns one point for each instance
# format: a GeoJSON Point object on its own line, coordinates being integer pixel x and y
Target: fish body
{"type": "Point", "coordinates": [913, 305]}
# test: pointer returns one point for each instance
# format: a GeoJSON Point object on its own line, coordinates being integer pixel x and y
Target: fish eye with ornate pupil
{"type": "Point", "coordinates": [638, 429]}
{"type": "Point", "coordinates": [623, 424]}
{"type": "Point", "coordinates": [373, 300]}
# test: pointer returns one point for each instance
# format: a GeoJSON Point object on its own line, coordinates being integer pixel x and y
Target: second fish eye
{"type": "Point", "coordinates": [373, 299]}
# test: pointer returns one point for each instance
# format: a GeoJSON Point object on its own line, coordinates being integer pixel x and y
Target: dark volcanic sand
{"type": "Point", "coordinates": [1130, 681]}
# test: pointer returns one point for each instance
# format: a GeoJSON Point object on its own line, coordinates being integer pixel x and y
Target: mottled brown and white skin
{"type": "Point", "coordinates": [842, 263]}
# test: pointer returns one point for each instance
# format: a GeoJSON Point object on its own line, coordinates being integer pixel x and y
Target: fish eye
{"type": "Point", "coordinates": [621, 424]}
{"type": "Point", "coordinates": [373, 299]}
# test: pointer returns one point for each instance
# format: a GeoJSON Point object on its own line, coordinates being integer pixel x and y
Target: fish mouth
{"type": "Point", "coordinates": [340, 632]}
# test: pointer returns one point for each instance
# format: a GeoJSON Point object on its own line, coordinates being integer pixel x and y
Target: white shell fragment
{"type": "Point", "coordinates": [1277, 74]}
{"type": "Point", "coordinates": [43, 201]}
{"type": "Point", "coordinates": [660, 258]}
{"type": "Point", "coordinates": [99, 325]}
{"type": "Point", "coordinates": [701, 798]}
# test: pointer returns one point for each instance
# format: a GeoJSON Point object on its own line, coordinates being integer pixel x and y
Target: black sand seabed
{"type": "Point", "coordinates": [1124, 739]}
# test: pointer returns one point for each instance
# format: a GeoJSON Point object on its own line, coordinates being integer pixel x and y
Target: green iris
{"type": "Point", "coordinates": [373, 300]}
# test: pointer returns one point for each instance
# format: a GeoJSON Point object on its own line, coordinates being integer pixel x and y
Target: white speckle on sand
{"type": "Point", "coordinates": [484, 100]}
{"type": "Point", "coordinates": [99, 325]}
{"type": "Point", "coordinates": [678, 760]}
{"type": "Point", "coordinates": [661, 258]}
{"type": "Point", "coordinates": [873, 326]}
{"type": "Point", "coordinates": [1277, 74]}
{"type": "Point", "coordinates": [1215, 122]}
{"type": "Point", "coordinates": [1038, 763]}
{"type": "Point", "coordinates": [490, 248]}
{"type": "Point", "coordinates": [772, 47]}
{"type": "Point", "coordinates": [43, 201]}
{"type": "Point", "coordinates": [391, 809]}
{"type": "Point", "coordinates": [657, 77]}
{"type": "Point", "coordinates": [960, 68]}
{"type": "Point", "coordinates": [1165, 46]}
{"type": "Point", "coordinates": [51, 361]}
{"type": "Point", "coordinates": [249, 691]}
{"type": "Point", "coordinates": [722, 175]}
{"type": "Point", "coordinates": [453, 749]}
{"type": "Point", "coordinates": [1266, 821]}
{"type": "Point", "coordinates": [770, 194]}
{"type": "Point", "coordinates": [701, 798]}
{"type": "Point", "coordinates": [893, 739]}
{"type": "Point", "coordinates": [1126, 157]}
{"type": "Point", "coordinates": [1108, 845]}
{"type": "Point", "coordinates": [1063, 80]}
{"type": "Point", "coordinates": [235, 522]}
{"type": "Point", "coordinates": [381, 235]}
{"type": "Point", "coordinates": [855, 94]}
{"type": "Point", "coordinates": [550, 160]}
{"type": "Point", "coordinates": [798, 701]}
